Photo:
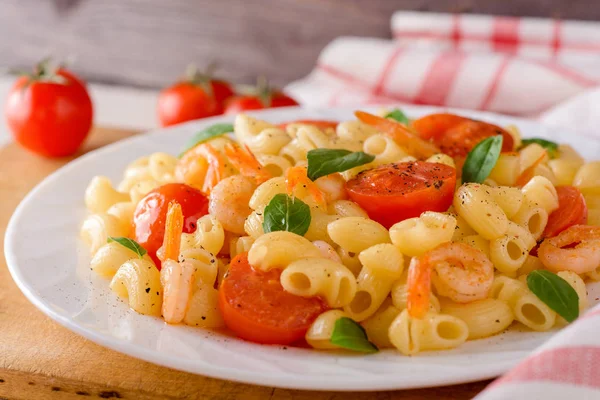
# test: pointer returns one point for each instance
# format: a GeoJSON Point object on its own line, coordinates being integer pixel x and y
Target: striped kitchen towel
{"type": "Point", "coordinates": [518, 66]}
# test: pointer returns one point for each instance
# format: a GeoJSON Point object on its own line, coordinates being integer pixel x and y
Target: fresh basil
{"type": "Point", "coordinates": [130, 244]}
{"type": "Point", "coordinates": [481, 160]}
{"type": "Point", "coordinates": [348, 334]}
{"type": "Point", "coordinates": [284, 213]}
{"type": "Point", "coordinates": [398, 115]}
{"type": "Point", "coordinates": [551, 147]}
{"type": "Point", "coordinates": [207, 134]}
{"type": "Point", "coordinates": [323, 162]}
{"type": "Point", "coordinates": [555, 292]}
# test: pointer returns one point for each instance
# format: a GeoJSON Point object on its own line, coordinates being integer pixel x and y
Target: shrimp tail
{"type": "Point", "coordinates": [419, 287]}
{"type": "Point", "coordinates": [245, 161]}
{"type": "Point", "coordinates": [216, 168]}
{"type": "Point", "coordinates": [401, 134]}
{"type": "Point", "coordinates": [298, 176]}
{"type": "Point", "coordinates": [173, 230]}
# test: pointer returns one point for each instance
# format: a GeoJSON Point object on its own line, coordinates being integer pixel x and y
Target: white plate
{"type": "Point", "coordinates": [50, 265]}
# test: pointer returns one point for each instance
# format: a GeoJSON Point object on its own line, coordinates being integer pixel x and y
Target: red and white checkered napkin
{"type": "Point", "coordinates": [520, 66]}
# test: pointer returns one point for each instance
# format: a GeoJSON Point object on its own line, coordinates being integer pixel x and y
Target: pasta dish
{"type": "Point", "coordinates": [378, 232]}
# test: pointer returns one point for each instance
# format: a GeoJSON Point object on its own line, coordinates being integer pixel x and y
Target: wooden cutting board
{"type": "Point", "coordinates": [40, 359]}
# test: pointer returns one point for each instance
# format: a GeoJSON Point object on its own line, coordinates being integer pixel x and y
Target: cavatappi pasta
{"type": "Point", "coordinates": [254, 233]}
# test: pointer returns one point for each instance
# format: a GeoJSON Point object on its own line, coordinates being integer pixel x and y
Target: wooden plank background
{"type": "Point", "coordinates": [148, 43]}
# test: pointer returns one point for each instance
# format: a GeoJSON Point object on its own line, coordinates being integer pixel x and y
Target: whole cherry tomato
{"type": "Point", "coordinates": [151, 211]}
{"type": "Point", "coordinates": [50, 111]}
{"type": "Point", "coordinates": [255, 306]}
{"type": "Point", "coordinates": [394, 192]}
{"type": "Point", "coordinates": [197, 96]}
{"type": "Point", "coordinates": [261, 97]}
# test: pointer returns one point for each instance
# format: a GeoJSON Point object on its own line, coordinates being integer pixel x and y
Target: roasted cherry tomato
{"type": "Point", "coordinates": [49, 112]}
{"type": "Point", "coordinates": [394, 192]}
{"type": "Point", "coordinates": [151, 211]}
{"type": "Point", "coordinates": [255, 306]}
{"type": "Point", "coordinates": [571, 210]}
{"type": "Point", "coordinates": [318, 123]}
{"type": "Point", "coordinates": [456, 135]}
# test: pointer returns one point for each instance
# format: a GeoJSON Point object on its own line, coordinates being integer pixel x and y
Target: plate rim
{"type": "Point", "coordinates": [219, 372]}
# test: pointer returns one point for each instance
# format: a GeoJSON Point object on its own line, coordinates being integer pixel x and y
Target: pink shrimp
{"type": "Point", "coordinates": [202, 167]}
{"type": "Point", "coordinates": [298, 176]}
{"type": "Point", "coordinates": [177, 278]}
{"type": "Point", "coordinates": [457, 270]}
{"type": "Point", "coordinates": [558, 254]}
{"type": "Point", "coordinates": [247, 163]}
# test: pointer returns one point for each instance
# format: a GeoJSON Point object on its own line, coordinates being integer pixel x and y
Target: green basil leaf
{"type": "Point", "coordinates": [551, 147]}
{"type": "Point", "coordinates": [481, 160]}
{"type": "Point", "coordinates": [130, 244]}
{"type": "Point", "coordinates": [323, 162]}
{"type": "Point", "coordinates": [398, 115]}
{"type": "Point", "coordinates": [348, 334]}
{"type": "Point", "coordinates": [206, 134]}
{"type": "Point", "coordinates": [555, 292]}
{"type": "Point", "coordinates": [284, 213]}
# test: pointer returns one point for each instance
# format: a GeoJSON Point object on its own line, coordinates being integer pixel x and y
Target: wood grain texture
{"type": "Point", "coordinates": [40, 359]}
{"type": "Point", "coordinates": [149, 42]}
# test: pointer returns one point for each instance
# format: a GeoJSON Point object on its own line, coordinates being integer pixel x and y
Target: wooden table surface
{"type": "Point", "coordinates": [40, 359]}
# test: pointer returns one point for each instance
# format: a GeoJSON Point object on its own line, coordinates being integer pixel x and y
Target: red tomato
{"type": "Point", "coordinates": [151, 211]}
{"type": "Point", "coordinates": [221, 91]}
{"type": "Point", "coordinates": [318, 123]}
{"type": "Point", "coordinates": [48, 117]}
{"type": "Point", "coordinates": [184, 101]}
{"type": "Point", "coordinates": [456, 135]}
{"type": "Point", "coordinates": [394, 192]}
{"type": "Point", "coordinates": [571, 210]}
{"type": "Point", "coordinates": [238, 104]}
{"type": "Point", "coordinates": [255, 306]}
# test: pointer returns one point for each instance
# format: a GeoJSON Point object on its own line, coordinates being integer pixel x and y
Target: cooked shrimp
{"type": "Point", "coordinates": [177, 278]}
{"type": "Point", "coordinates": [458, 271]}
{"type": "Point", "coordinates": [333, 187]}
{"type": "Point", "coordinates": [402, 135]}
{"type": "Point", "coordinates": [228, 202]}
{"type": "Point", "coordinates": [247, 163]}
{"type": "Point", "coordinates": [202, 167]}
{"type": "Point", "coordinates": [297, 176]}
{"type": "Point", "coordinates": [529, 172]}
{"type": "Point", "coordinates": [327, 251]}
{"type": "Point", "coordinates": [583, 257]}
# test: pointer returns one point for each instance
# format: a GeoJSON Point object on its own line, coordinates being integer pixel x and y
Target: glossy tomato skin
{"type": "Point", "coordinates": [238, 104]}
{"type": "Point", "coordinates": [572, 210]}
{"type": "Point", "coordinates": [184, 101]}
{"type": "Point", "coordinates": [456, 135]}
{"type": "Point", "coordinates": [256, 308]}
{"type": "Point", "coordinates": [48, 118]}
{"type": "Point", "coordinates": [394, 192]}
{"type": "Point", "coordinates": [151, 211]}
{"type": "Point", "coordinates": [222, 91]}
{"type": "Point", "coordinates": [282, 100]}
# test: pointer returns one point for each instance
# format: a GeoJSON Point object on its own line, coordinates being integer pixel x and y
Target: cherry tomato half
{"type": "Point", "coordinates": [49, 113]}
{"type": "Point", "coordinates": [571, 210]}
{"type": "Point", "coordinates": [151, 211]}
{"type": "Point", "coordinates": [394, 192]}
{"type": "Point", "coordinates": [456, 135]}
{"type": "Point", "coordinates": [255, 306]}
